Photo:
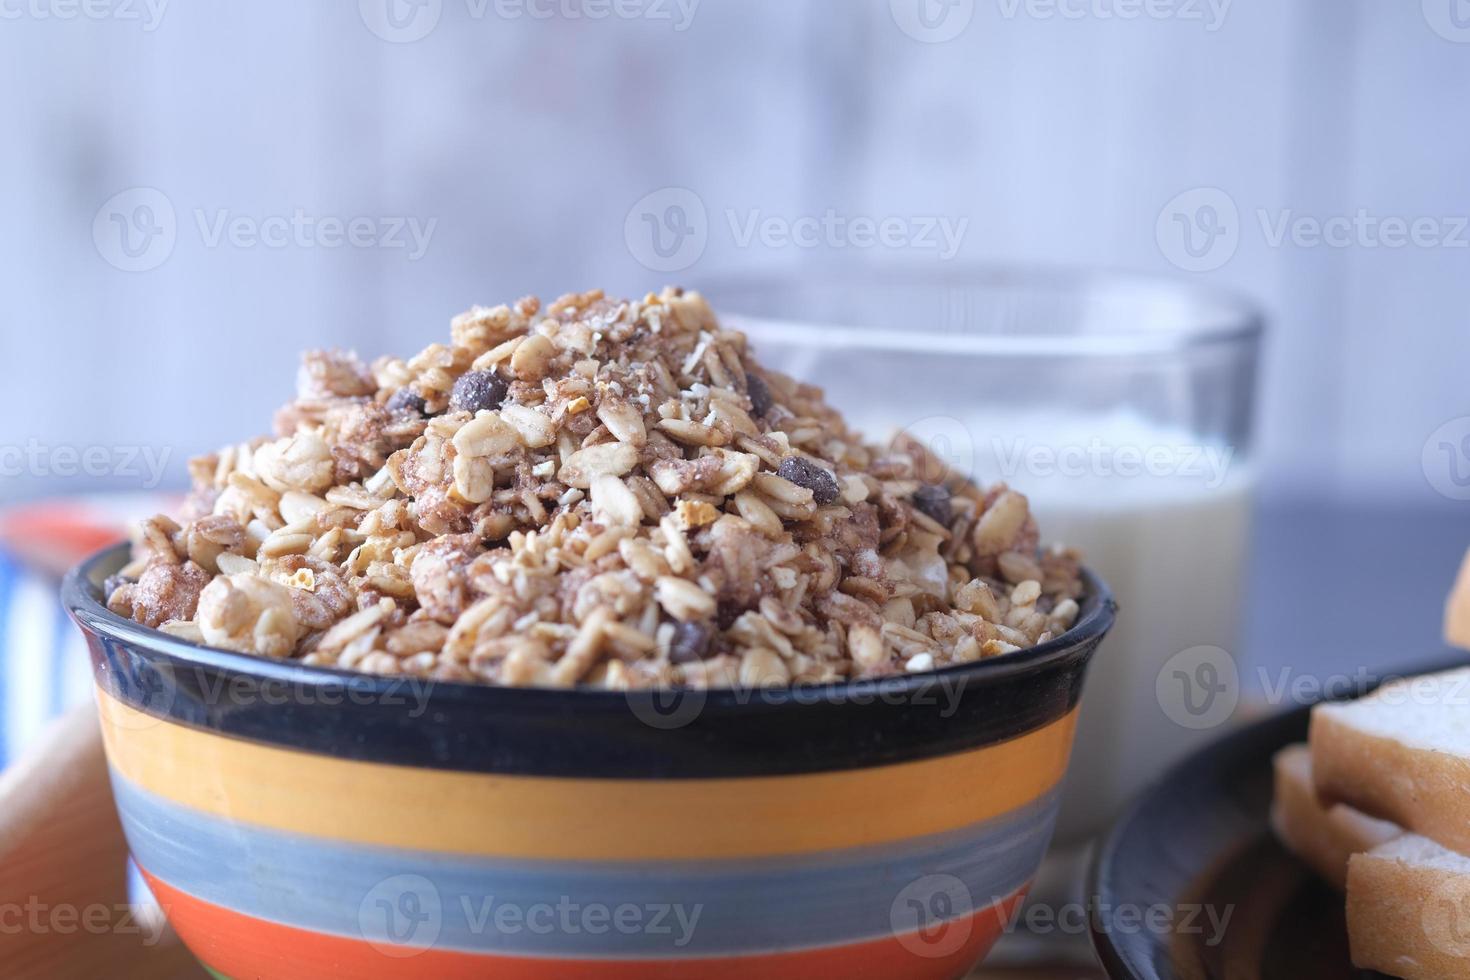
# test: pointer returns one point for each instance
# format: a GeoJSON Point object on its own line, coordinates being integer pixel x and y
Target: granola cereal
{"type": "Point", "coordinates": [600, 493]}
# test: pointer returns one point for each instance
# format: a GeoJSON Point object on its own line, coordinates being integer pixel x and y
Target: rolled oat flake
{"type": "Point", "coordinates": [478, 391]}
{"type": "Point", "coordinates": [804, 473]}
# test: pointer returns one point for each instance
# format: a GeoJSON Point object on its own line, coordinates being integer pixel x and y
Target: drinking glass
{"type": "Point", "coordinates": [1121, 405]}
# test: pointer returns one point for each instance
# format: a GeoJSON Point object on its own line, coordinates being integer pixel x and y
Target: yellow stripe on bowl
{"type": "Point", "coordinates": [579, 819]}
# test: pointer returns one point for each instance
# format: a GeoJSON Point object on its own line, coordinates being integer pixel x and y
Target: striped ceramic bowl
{"type": "Point", "coordinates": [304, 822]}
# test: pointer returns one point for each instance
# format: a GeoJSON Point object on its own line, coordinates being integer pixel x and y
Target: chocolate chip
{"type": "Point", "coordinates": [406, 401]}
{"type": "Point", "coordinates": [804, 473]}
{"type": "Point", "coordinates": [934, 501]}
{"type": "Point", "coordinates": [690, 643]}
{"type": "Point", "coordinates": [476, 391]}
{"type": "Point", "coordinates": [727, 612]}
{"type": "Point", "coordinates": [761, 398]}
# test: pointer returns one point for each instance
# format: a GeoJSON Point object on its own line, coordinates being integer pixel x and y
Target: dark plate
{"type": "Point", "coordinates": [1191, 884]}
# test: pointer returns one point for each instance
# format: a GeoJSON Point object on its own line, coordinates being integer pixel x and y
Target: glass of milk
{"type": "Point", "coordinates": [1121, 405]}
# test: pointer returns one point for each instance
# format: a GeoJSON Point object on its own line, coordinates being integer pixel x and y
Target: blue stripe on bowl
{"type": "Point", "coordinates": [707, 908]}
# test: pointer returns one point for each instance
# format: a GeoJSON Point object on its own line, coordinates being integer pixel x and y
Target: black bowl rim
{"type": "Point", "coordinates": [1099, 613]}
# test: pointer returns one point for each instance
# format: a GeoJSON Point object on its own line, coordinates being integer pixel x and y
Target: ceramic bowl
{"type": "Point", "coordinates": [299, 822]}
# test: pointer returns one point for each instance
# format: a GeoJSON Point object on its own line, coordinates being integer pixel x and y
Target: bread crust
{"type": "Point", "coordinates": [1418, 788]}
{"type": "Point", "coordinates": [1457, 609]}
{"type": "Point", "coordinates": [1322, 837]}
{"type": "Point", "coordinates": [1407, 919]}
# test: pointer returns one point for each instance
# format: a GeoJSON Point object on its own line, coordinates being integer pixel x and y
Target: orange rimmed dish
{"type": "Point", "coordinates": [301, 821]}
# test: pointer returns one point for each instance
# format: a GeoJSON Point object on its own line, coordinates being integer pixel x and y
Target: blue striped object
{"type": "Point", "coordinates": [43, 657]}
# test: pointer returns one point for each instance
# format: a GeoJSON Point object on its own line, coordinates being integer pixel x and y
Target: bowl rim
{"type": "Point", "coordinates": [1099, 612]}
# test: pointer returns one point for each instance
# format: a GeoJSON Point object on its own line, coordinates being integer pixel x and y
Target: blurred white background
{"type": "Point", "coordinates": [497, 147]}
{"type": "Point", "coordinates": [194, 192]}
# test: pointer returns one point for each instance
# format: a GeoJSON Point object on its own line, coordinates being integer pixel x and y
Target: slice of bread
{"type": "Point", "coordinates": [1401, 754]}
{"type": "Point", "coordinates": [1408, 910]}
{"type": "Point", "coordinates": [1323, 837]}
{"type": "Point", "coordinates": [1457, 609]}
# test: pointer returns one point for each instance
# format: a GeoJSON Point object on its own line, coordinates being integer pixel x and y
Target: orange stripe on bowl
{"type": "Point", "coordinates": [240, 946]}
{"type": "Point", "coordinates": [579, 819]}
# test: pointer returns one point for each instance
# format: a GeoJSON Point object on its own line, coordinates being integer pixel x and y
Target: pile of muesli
{"type": "Point", "coordinates": [600, 492]}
